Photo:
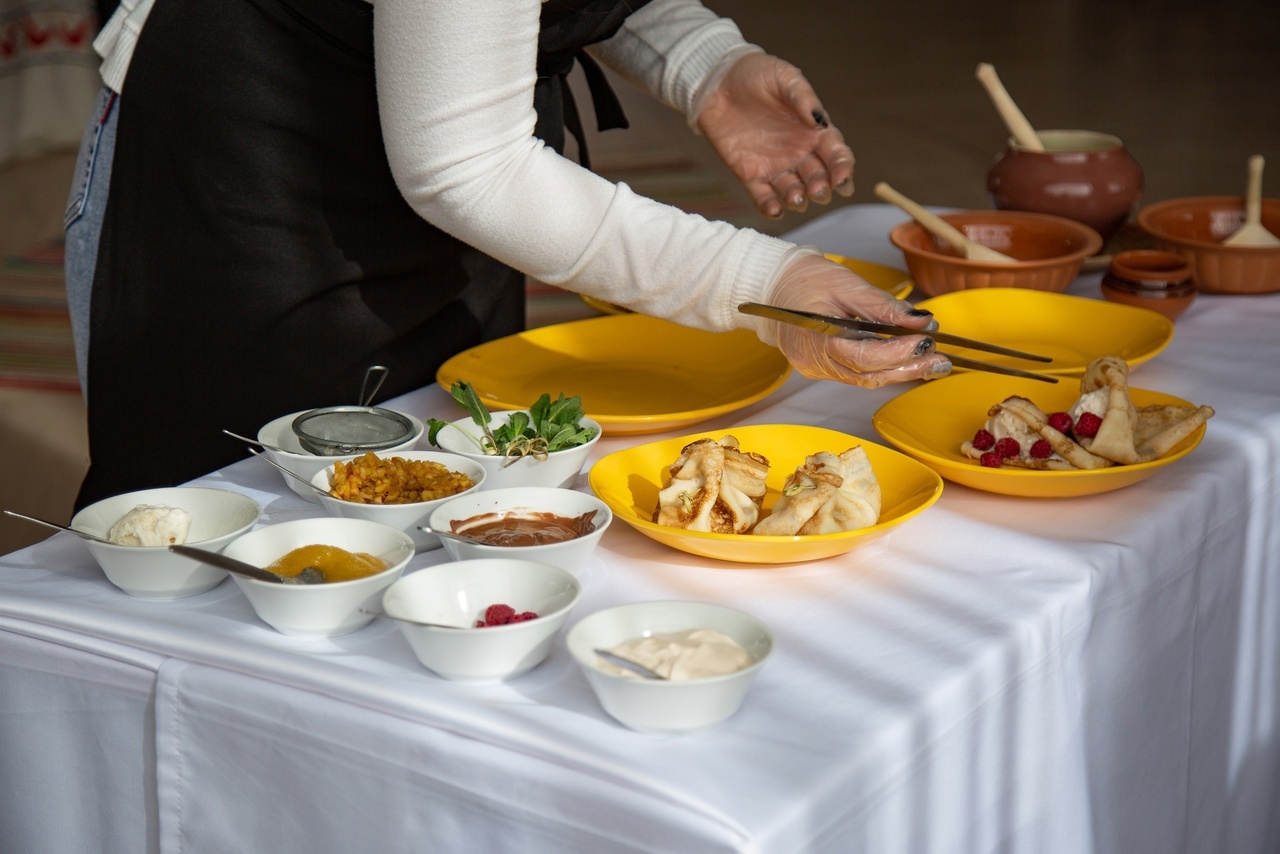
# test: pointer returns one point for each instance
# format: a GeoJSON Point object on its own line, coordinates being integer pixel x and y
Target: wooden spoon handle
{"type": "Point", "coordinates": [925, 217]}
{"type": "Point", "coordinates": [1017, 123]}
{"type": "Point", "coordinates": [1253, 194]}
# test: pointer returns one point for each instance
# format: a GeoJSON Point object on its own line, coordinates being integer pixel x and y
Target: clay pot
{"type": "Point", "coordinates": [1160, 281]}
{"type": "Point", "coordinates": [1082, 175]}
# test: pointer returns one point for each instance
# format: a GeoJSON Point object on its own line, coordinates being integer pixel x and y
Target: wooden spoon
{"type": "Point", "coordinates": [939, 226]}
{"type": "Point", "coordinates": [1253, 232]}
{"type": "Point", "coordinates": [1013, 117]}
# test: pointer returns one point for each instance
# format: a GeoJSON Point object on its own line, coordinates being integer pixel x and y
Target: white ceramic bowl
{"type": "Point", "coordinates": [660, 706]}
{"type": "Point", "coordinates": [320, 610]}
{"type": "Point", "coordinates": [304, 463]}
{"type": "Point", "coordinates": [560, 468]}
{"type": "Point", "coordinates": [403, 517]}
{"type": "Point", "coordinates": [153, 572]}
{"type": "Point", "coordinates": [457, 594]}
{"type": "Point", "coordinates": [571, 555]}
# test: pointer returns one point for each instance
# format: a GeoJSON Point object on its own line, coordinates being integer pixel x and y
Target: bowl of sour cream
{"type": "Point", "coordinates": [706, 656]}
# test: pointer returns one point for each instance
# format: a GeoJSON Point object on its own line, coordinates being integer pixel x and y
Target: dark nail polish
{"type": "Point", "coordinates": [925, 347]}
{"type": "Point", "coordinates": [820, 118]}
{"type": "Point", "coordinates": [920, 312]}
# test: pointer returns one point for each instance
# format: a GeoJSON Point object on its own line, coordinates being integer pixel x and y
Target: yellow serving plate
{"type": "Point", "coordinates": [635, 374]}
{"type": "Point", "coordinates": [891, 280]}
{"type": "Point", "coordinates": [931, 421]}
{"type": "Point", "coordinates": [629, 481]}
{"type": "Point", "coordinates": [1072, 330]}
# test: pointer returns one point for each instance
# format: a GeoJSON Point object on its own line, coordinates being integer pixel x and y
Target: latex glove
{"type": "Point", "coordinates": [812, 283]}
{"type": "Point", "coordinates": [767, 124]}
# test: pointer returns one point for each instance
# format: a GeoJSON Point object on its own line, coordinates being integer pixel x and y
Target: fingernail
{"type": "Point", "coordinates": [820, 118]}
{"type": "Point", "coordinates": [845, 187]}
{"type": "Point", "coordinates": [931, 326]}
{"type": "Point", "coordinates": [920, 312]}
{"type": "Point", "coordinates": [941, 369]}
{"type": "Point", "coordinates": [822, 196]}
{"type": "Point", "coordinates": [925, 347]}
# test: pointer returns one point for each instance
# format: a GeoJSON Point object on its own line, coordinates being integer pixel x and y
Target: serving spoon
{"type": "Point", "coordinates": [1014, 120]}
{"type": "Point", "coordinates": [84, 535]}
{"type": "Point", "coordinates": [971, 249]}
{"type": "Point", "coordinates": [412, 622]}
{"type": "Point", "coordinates": [257, 442]}
{"type": "Point", "coordinates": [449, 535]}
{"type": "Point", "coordinates": [1253, 232]}
{"type": "Point", "coordinates": [627, 664]}
{"type": "Point", "coordinates": [310, 575]}
{"type": "Point", "coordinates": [291, 474]}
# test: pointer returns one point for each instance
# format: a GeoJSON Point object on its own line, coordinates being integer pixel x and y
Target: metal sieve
{"type": "Point", "coordinates": [336, 431]}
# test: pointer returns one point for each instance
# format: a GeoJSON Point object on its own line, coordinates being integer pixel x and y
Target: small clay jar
{"type": "Point", "coordinates": [1160, 281]}
{"type": "Point", "coordinates": [1082, 175]}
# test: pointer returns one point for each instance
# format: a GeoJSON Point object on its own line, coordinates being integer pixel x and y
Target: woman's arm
{"type": "Point", "coordinates": [455, 88]}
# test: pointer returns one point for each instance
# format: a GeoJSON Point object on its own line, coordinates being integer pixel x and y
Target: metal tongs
{"type": "Point", "coordinates": [854, 327]}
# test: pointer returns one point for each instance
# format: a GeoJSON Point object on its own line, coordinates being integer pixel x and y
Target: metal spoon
{"type": "Point", "coordinates": [260, 444]}
{"type": "Point", "coordinates": [291, 474]}
{"type": "Point", "coordinates": [81, 534]}
{"type": "Point", "coordinates": [628, 664]}
{"type": "Point", "coordinates": [310, 575]}
{"type": "Point", "coordinates": [449, 535]}
{"type": "Point", "coordinates": [413, 622]}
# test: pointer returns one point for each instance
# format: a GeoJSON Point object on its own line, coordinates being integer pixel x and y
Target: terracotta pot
{"type": "Point", "coordinates": [1082, 175]}
{"type": "Point", "coordinates": [1160, 281]}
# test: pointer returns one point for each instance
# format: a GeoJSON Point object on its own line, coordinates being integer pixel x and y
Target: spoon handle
{"type": "Point", "coordinates": [291, 474]}
{"type": "Point", "coordinates": [81, 534]}
{"type": "Point", "coordinates": [1017, 123]}
{"type": "Point", "coordinates": [1253, 192]}
{"type": "Point", "coordinates": [628, 664]}
{"type": "Point", "coordinates": [924, 216]}
{"type": "Point", "coordinates": [230, 564]}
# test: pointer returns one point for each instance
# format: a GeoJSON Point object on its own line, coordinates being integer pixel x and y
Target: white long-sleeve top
{"type": "Point", "coordinates": [455, 95]}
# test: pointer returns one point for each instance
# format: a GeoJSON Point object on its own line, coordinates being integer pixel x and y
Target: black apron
{"type": "Point", "coordinates": [256, 256]}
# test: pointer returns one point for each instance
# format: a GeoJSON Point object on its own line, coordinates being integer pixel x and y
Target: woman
{"type": "Point", "coordinates": [276, 194]}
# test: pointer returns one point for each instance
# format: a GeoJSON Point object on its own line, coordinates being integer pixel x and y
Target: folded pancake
{"type": "Point", "coordinates": [1128, 434]}
{"type": "Point", "coordinates": [713, 486]}
{"type": "Point", "coordinates": [826, 495]}
{"type": "Point", "coordinates": [1033, 423]}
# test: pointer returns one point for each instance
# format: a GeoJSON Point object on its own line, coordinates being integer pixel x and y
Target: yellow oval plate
{"type": "Point", "coordinates": [629, 481]}
{"type": "Point", "coordinates": [931, 421]}
{"type": "Point", "coordinates": [891, 280]}
{"type": "Point", "coordinates": [635, 374]}
{"type": "Point", "coordinates": [1072, 330]}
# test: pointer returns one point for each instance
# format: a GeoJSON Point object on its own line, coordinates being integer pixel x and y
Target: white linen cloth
{"type": "Point", "coordinates": [1097, 674]}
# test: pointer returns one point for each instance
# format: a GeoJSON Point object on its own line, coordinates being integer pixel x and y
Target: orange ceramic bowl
{"type": "Point", "coordinates": [1195, 228]}
{"type": "Point", "coordinates": [1048, 249]}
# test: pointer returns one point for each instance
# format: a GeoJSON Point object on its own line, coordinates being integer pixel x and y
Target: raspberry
{"type": "Point", "coordinates": [983, 441]}
{"type": "Point", "coordinates": [1041, 450]}
{"type": "Point", "coordinates": [499, 614]}
{"type": "Point", "coordinates": [990, 460]}
{"type": "Point", "coordinates": [1087, 425]}
{"type": "Point", "coordinates": [1061, 422]}
{"type": "Point", "coordinates": [502, 615]}
{"type": "Point", "coordinates": [1008, 447]}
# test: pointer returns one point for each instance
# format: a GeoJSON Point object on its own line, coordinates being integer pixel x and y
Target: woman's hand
{"type": "Point", "coordinates": [767, 124]}
{"type": "Point", "coordinates": [812, 283]}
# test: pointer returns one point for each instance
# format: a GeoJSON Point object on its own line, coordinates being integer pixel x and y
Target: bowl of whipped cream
{"type": "Point", "coordinates": [701, 659]}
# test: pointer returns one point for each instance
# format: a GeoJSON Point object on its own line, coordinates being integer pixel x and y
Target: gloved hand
{"type": "Point", "coordinates": [765, 121]}
{"type": "Point", "coordinates": [810, 282]}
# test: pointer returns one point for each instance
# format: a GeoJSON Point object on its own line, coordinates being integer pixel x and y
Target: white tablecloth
{"type": "Point", "coordinates": [1074, 675]}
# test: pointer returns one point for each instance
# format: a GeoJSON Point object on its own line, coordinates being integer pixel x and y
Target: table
{"type": "Point", "coordinates": [1076, 675]}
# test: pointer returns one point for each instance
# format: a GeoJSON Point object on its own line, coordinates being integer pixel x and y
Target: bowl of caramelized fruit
{"type": "Point", "coordinates": [357, 558]}
{"type": "Point", "coordinates": [400, 490]}
{"type": "Point", "coordinates": [557, 526]}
